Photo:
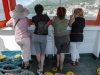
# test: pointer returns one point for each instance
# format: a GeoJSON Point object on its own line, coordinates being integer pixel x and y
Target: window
{"type": "Point", "coordinates": [2, 15]}
{"type": "Point", "coordinates": [50, 6]}
{"type": "Point", "coordinates": [90, 7]}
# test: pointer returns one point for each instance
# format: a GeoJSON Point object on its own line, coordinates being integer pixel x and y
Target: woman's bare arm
{"type": "Point", "coordinates": [71, 21]}
{"type": "Point", "coordinates": [9, 23]}
{"type": "Point", "coordinates": [28, 20]}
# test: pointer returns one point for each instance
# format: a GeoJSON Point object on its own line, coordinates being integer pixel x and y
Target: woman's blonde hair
{"type": "Point", "coordinates": [61, 12]}
{"type": "Point", "coordinates": [79, 12]}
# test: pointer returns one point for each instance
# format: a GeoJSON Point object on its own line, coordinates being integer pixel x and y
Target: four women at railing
{"type": "Point", "coordinates": [61, 36]}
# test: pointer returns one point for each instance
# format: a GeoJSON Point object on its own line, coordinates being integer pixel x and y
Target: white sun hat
{"type": "Point", "coordinates": [19, 12]}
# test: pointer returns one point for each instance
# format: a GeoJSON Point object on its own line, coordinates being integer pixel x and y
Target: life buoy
{"type": "Point", "coordinates": [98, 71]}
{"type": "Point", "coordinates": [17, 60]}
{"type": "Point", "coordinates": [70, 73]}
{"type": "Point", "coordinates": [54, 68]}
{"type": "Point", "coordinates": [2, 57]}
{"type": "Point", "coordinates": [18, 56]}
{"type": "Point", "coordinates": [48, 73]}
{"type": "Point", "coordinates": [1, 73]}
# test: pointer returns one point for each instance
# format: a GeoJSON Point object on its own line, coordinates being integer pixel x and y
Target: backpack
{"type": "Point", "coordinates": [42, 27]}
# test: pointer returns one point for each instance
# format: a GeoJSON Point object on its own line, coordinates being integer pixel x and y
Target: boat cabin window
{"type": "Point", "coordinates": [90, 7]}
{"type": "Point", "coordinates": [2, 14]}
{"type": "Point", "coordinates": [50, 6]}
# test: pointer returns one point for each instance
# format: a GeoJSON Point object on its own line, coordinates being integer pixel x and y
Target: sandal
{"type": "Point", "coordinates": [77, 63]}
{"type": "Point", "coordinates": [25, 67]}
{"type": "Point", "coordinates": [73, 63]}
{"type": "Point", "coordinates": [57, 65]}
{"type": "Point", "coordinates": [40, 72]}
{"type": "Point", "coordinates": [38, 66]}
{"type": "Point", "coordinates": [61, 67]}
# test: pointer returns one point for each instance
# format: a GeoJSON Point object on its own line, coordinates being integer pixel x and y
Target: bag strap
{"type": "Point", "coordinates": [41, 19]}
{"type": "Point", "coordinates": [16, 23]}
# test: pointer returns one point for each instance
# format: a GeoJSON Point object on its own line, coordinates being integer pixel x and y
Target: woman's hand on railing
{"type": "Point", "coordinates": [9, 23]}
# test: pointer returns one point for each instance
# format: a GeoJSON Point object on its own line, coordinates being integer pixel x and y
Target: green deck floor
{"type": "Point", "coordinates": [87, 66]}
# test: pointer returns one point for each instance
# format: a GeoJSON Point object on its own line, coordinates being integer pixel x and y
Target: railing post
{"type": "Point", "coordinates": [60, 3]}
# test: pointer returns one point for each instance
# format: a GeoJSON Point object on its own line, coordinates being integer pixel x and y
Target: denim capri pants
{"type": "Point", "coordinates": [39, 42]}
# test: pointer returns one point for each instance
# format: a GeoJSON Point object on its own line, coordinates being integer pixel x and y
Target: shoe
{"type": "Point", "coordinates": [40, 72]}
{"type": "Point", "coordinates": [77, 63]}
{"type": "Point", "coordinates": [38, 66]}
{"type": "Point", "coordinates": [25, 67]}
{"type": "Point", "coordinates": [57, 66]}
{"type": "Point", "coordinates": [73, 63]}
{"type": "Point", "coordinates": [61, 67]}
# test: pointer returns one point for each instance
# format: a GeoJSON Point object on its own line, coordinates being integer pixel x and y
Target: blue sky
{"type": "Point", "coordinates": [24, 2]}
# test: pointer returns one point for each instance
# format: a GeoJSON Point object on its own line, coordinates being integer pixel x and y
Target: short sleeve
{"type": "Point", "coordinates": [33, 19]}
{"type": "Point", "coordinates": [47, 18]}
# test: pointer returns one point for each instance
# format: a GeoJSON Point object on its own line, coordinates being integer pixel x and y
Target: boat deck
{"type": "Point", "coordinates": [87, 66]}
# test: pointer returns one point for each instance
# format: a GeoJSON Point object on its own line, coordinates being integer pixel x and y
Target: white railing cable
{"type": "Point", "coordinates": [60, 3]}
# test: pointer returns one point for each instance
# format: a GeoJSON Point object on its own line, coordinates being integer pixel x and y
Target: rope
{"type": "Point", "coordinates": [17, 62]}
{"type": "Point", "coordinates": [14, 68]}
{"type": "Point", "coordinates": [6, 61]}
{"type": "Point", "coordinates": [1, 73]}
{"type": "Point", "coordinates": [11, 61]}
{"type": "Point", "coordinates": [26, 73]}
